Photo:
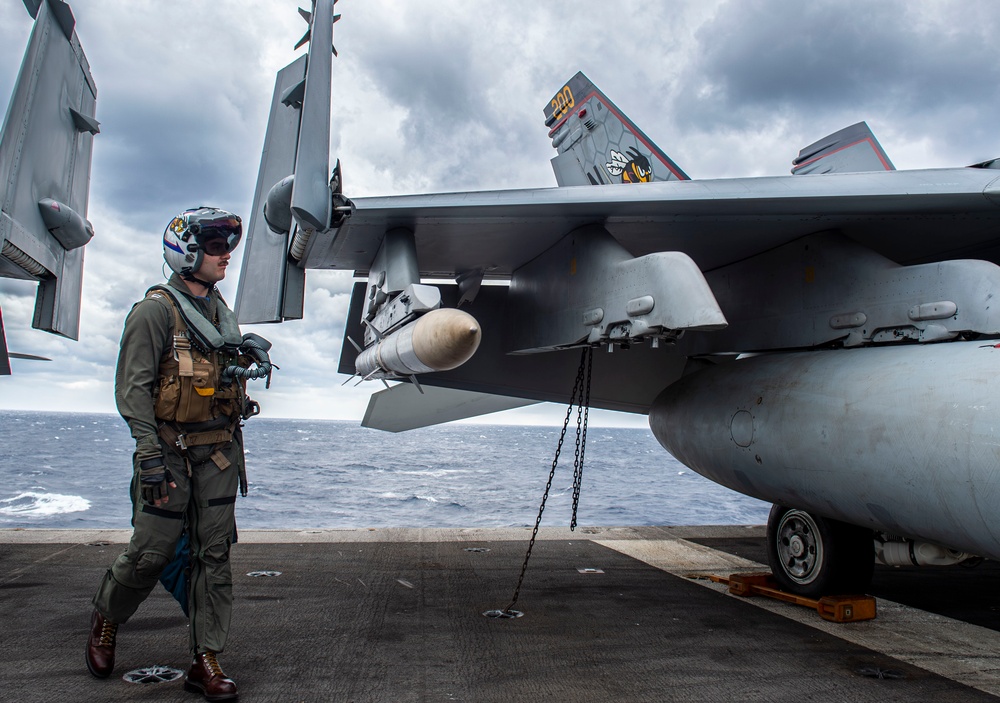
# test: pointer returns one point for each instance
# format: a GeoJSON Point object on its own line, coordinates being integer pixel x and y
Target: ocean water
{"type": "Point", "coordinates": [72, 470]}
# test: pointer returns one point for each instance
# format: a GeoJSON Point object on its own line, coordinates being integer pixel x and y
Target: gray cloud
{"type": "Point", "coordinates": [922, 70]}
{"type": "Point", "coordinates": [152, 157]}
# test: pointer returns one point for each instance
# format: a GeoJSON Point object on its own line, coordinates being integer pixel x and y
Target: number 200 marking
{"type": "Point", "coordinates": [563, 102]}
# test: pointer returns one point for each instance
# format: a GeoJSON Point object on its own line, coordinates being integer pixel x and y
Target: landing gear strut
{"type": "Point", "coordinates": [816, 556]}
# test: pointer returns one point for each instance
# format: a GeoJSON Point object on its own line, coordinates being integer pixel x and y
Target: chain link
{"type": "Point", "coordinates": [581, 438]}
{"type": "Point", "coordinates": [581, 398]}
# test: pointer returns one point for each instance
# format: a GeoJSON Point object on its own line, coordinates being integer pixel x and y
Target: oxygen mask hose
{"type": "Point", "coordinates": [255, 347]}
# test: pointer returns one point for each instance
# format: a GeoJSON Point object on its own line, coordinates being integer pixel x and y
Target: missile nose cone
{"type": "Point", "coordinates": [446, 338]}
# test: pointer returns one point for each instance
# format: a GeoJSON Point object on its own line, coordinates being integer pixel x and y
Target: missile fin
{"type": "Point", "coordinates": [378, 335]}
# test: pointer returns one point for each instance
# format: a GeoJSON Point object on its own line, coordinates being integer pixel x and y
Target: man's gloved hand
{"type": "Point", "coordinates": [154, 477]}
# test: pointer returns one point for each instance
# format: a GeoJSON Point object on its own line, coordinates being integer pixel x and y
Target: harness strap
{"type": "Point", "coordinates": [197, 439]}
{"type": "Point", "coordinates": [182, 345]}
{"type": "Point", "coordinates": [220, 460]}
{"type": "Point", "coordinates": [193, 439]}
{"type": "Point", "coordinates": [182, 353]}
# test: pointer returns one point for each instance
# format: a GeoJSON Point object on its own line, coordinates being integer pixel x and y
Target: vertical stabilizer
{"type": "Point", "coordinates": [296, 193]}
{"type": "Point", "coordinates": [45, 153]}
{"type": "Point", "coordinates": [598, 144]}
{"type": "Point", "coordinates": [262, 295]}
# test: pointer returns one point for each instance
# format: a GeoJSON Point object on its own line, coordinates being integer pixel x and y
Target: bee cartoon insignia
{"type": "Point", "coordinates": [633, 168]}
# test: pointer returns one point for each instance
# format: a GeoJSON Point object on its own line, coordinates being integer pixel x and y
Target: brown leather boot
{"type": "Point", "coordinates": [207, 677]}
{"type": "Point", "coordinates": [101, 646]}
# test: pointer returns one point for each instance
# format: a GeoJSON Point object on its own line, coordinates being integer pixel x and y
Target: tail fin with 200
{"type": "Point", "coordinates": [598, 143]}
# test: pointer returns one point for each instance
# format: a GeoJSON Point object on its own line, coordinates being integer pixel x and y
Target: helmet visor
{"type": "Point", "coordinates": [218, 236]}
{"type": "Point", "coordinates": [217, 246]}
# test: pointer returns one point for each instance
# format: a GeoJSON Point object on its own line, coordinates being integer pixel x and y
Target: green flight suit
{"type": "Point", "coordinates": [203, 501]}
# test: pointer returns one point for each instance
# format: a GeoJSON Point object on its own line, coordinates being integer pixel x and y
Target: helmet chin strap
{"type": "Point", "coordinates": [191, 277]}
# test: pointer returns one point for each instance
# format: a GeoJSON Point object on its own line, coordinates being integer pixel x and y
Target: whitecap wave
{"type": "Point", "coordinates": [407, 498]}
{"type": "Point", "coordinates": [32, 504]}
{"type": "Point", "coordinates": [433, 473]}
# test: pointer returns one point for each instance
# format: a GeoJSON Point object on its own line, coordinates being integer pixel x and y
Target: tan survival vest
{"type": "Point", "coordinates": [188, 387]}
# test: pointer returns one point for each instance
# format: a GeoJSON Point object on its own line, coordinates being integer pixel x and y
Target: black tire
{"type": "Point", "coordinates": [815, 556]}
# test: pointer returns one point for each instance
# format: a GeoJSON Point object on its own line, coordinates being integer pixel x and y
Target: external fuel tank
{"type": "Point", "coordinates": [902, 439]}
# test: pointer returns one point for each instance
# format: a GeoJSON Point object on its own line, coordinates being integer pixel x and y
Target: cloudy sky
{"type": "Point", "coordinates": [448, 95]}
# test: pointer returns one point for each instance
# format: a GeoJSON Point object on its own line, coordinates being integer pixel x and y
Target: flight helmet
{"type": "Point", "coordinates": [198, 231]}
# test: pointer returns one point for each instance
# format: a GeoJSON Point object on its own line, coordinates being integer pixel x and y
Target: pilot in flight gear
{"type": "Point", "coordinates": [180, 386]}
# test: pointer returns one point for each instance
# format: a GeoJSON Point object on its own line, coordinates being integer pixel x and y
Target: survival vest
{"type": "Point", "coordinates": [188, 388]}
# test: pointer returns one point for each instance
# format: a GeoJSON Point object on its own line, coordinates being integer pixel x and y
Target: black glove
{"type": "Point", "coordinates": [153, 479]}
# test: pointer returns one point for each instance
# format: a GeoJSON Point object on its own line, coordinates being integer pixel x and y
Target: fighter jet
{"type": "Point", "coordinates": [45, 151]}
{"type": "Point", "coordinates": [827, 341]}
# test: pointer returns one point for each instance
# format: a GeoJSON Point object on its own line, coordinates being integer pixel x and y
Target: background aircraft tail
{"type": "Point", "coordinates": [45, 152]}
{"type": "Point", "coordinates": [598, 144]}
{"type": "Point", "coordinates": [853, 149]}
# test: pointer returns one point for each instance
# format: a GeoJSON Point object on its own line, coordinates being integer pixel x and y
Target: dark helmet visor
{"type": "Point", "coordinates": [218, 236]}
{"type": "Point", "coordinates": [217, 246]}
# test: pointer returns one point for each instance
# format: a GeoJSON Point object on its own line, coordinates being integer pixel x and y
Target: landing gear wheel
{"type": "Point", "coordinates": [815, 556]}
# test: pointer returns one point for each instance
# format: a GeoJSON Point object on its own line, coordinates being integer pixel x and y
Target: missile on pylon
{"type": "Point", "coordinates": [438, 340]}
